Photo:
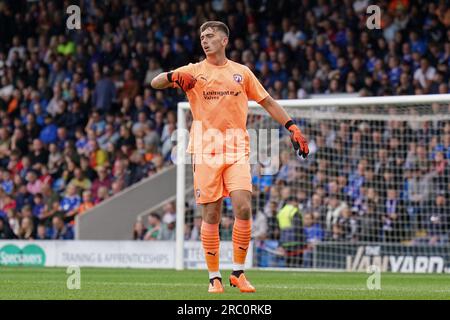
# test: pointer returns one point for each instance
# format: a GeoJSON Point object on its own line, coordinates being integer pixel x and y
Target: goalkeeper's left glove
{"type": "Point", "coordinates": [183, 79]}
{"type": "Point", "coordinates": [298, 140]}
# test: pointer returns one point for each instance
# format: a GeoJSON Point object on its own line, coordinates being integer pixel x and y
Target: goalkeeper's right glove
{"type": "Point", "coordinates": [298, 140]}
{"type": "Point", "coordinates": [183, 79]}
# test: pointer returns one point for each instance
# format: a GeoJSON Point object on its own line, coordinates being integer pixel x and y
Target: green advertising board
{"type": "Point", "coordinates": [29, 255]}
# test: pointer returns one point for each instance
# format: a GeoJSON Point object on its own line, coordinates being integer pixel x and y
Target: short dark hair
{"type": "Point", "coordinates": [216, 25]}
{"type": "Point", "coordinates": [155, 215]}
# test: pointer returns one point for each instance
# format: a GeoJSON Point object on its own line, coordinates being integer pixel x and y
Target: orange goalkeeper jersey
{"type": "Point", "coordinates": [219, 105]}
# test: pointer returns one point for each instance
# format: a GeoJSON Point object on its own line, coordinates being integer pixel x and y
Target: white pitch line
{"type": "Point", "coordinates": [287, 287]}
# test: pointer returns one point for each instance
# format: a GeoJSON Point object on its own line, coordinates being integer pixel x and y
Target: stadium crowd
{"type": "Point", "coordinates": [79, 121]}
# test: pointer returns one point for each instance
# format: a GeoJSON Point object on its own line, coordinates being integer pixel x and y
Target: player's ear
{"type": "Point", "coordinates": [225, 41]}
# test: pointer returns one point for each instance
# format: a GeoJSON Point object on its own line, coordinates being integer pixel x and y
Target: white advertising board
{"type": "Point", "coordinates": [110, 254]}
{"type": "Point", "coordinates": [194, 258]}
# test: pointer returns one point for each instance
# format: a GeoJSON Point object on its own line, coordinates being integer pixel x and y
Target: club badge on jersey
{"type": "Point", "coordinates": [237, 77]}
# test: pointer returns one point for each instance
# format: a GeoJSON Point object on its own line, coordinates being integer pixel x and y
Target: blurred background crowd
{"type": "Point", "coordinates": [80, 122]}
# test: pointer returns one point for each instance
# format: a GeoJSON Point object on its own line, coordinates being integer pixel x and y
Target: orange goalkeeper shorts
{"type": "Point", "coordinates": [216, 176]}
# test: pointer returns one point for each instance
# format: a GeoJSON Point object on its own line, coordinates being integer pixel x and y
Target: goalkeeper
{"type": "Point", "coordinates": [218, 91]}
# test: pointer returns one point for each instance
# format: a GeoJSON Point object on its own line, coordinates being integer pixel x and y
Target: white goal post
{"type": "Point", "coordinates": [319, 114]}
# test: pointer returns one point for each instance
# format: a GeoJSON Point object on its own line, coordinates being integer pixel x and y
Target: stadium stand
{"type": "Point", "coordinates": [79, 121]}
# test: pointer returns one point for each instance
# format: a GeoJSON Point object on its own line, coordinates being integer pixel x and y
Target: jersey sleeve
{"type": "Point", "coordinates": [254, 89]}
{"type": "Point", "coordinates": [190, 68]}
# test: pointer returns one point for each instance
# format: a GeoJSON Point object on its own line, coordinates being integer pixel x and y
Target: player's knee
{"type": "Point", "coordinates": [244, 211]}
{"type": "Point", "coordinates": [211, 217]}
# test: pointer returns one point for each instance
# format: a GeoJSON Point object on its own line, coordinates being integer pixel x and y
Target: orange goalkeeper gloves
{"type": "Point", "coordinates": [184, 80]}
{"type": "Point", "coordinates": [298, 140]}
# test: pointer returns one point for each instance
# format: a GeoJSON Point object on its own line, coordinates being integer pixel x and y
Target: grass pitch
{"type": "Point", "coordinates": [119, 284]}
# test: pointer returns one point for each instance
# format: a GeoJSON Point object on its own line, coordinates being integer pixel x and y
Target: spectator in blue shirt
{"type": "Point", "coordinates": [356, 180]}
{"type": "Point", "coordinates": [7, 183]}
{"type": "Point", "coordinates": [313, 234]}
{"type": "Point", "coordinates": [278, 74]}
{"type": "Point", "coordinates": [313, 231]}
{"type": "Point", "coordinates": [96, 123]}
{"type": "Point", "coordinates": [265, 181]}
{"type": "Point", "coordinates": [79, 84]}
{"type": "Point", "coordinates": [71, 201]}
{"type": "Point", "coordinates": [49, 132]}
{"type": "Point", "coordinates": [395, 71]}
{"type": "Point", "coordinates": [417, 45]}
{"type": "Point", "coordinates": [444, 146]}
{"type": "Point", "coordinates": [23, 197]}
{"type": "Point", "coordinates": [81, 143]}
{"type": "Point", "coordinates": [57, 74]}
{"type": "Point", "coordinates": [61, 137]}
{"type": "Point", "coordinates": [104, 92]}
{"type": "Point", "coordinates": [59, 230]}
{"type": "Point", "coordinates": [38, 205]}
{"type": "Point", "coordinates": [39, 113]}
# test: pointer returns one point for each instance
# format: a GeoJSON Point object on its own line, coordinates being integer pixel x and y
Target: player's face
{"type": "Point", "coordinates": [213, 41]}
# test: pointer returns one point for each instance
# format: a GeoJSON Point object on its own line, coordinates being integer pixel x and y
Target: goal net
{"type": "Point", "coordinates": [374, 189]}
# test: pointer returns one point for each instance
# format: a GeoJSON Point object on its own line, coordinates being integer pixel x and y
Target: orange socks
{"type": "Point", "coordinates": [211, 243]}
{"type": "Point", "coordinates": [242, 232]}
